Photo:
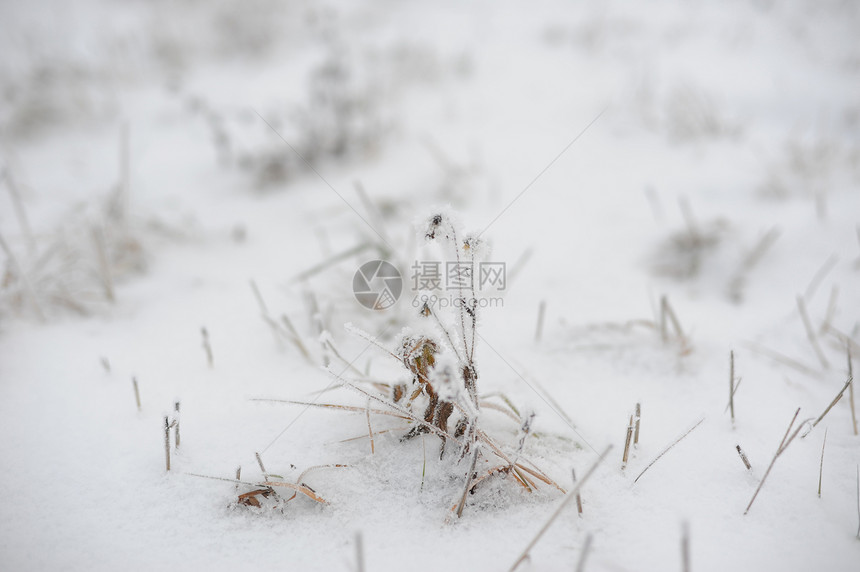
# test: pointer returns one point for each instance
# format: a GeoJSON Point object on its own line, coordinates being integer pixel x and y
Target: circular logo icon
{"type": "Point", "coordinates": [377, 285]}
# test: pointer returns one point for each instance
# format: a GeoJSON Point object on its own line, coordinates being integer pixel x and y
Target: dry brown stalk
{"type": "Point", "coordinates": [470, 475]}
{"type": "Point", "coordinates": [262, 467]}
{"type": "Point", "coordinates": [835, 399]}
{"type": "Point", "coordinates": [783, 445]}
{"type": "Point", "coordinates": [743, 457]}
{"type": "Point", "coordinates": [638, 420]}
{"type": "Point", "coordinates": [567, 498]}
{"type": "Point", "coordinates": [578, 495]}
{"type": "Point", "coordinates": [627, 443]}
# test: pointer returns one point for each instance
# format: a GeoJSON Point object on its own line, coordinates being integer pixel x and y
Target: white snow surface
{"type": "Point", "coordinates": [571, 136]}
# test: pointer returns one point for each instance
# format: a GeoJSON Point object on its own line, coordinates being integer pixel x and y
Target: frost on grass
{"type": "Point", "coordinates": [439, 398]}
{"type": "Point", "coordinates": [75, 267]}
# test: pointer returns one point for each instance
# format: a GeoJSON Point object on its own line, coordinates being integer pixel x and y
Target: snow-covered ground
{"type": "Point", "coordinates": [159, 158]}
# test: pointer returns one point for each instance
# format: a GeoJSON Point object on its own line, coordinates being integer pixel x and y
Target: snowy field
{"type": "Point", "coordinates": [188, 190]}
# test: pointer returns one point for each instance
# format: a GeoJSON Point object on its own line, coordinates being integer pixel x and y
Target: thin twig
{"type": "Point", "coordinates": [819, 276]}
{"type": "Point", "coordinates": [858, 501]}
{"type": "Point", "coordinates": [373, 212]}
{"type": "Point", "coordinates": [369, 428]}
{"type": "Point", "coordinates": [627, 443]}
{"type": "Point", "coordinates": [685, 547]}
{"type": "Point", "coordinates": [810, 333]}
{"type": "Point", "coordinates": [518, 265]}
{"type": "Point", "coordinates": [262, 467]}
{"type": "Point", "coordinates": [690, 220]}
{"type": "Point", "coordinates": [317, 319]}
{"type": "Point", "coordinates": [835, 400]}
{"type": "Point", "coordinates": [354, 408]}
{"type": "Point", "coordinates": [636, 430]}
{"type": "Point", "coordinates": [469, 477]}
{"type": "Point", "coordinates": [331, 261]}
{"type": "Point", "coordinates": [551, 401]}
{"type": "Point", "coordinates": [583, 556]}
{"type": "Point", "coordinates": [176, 423]}
{"type": "Point", "coordinates": [541, 312]}
{"type": "Point", "coordinates": [737, 385]}
{"type": "Point", "coordinates": [774, 355]}
{"type": "Point", "coordinates": [264, 312]}
{"type": "Point", "coordinates": [136, 392]}
{"type": "Point", "coordinates": [831, 310]}
{"type": "Point", "coordinates": [296, 338]}
{"type": "Point", "coordinates": [736, 284]}
{"type": "Point", "coordinates": [666, 450]}
{"type": "Point", "coordinates": [207, 347]}
{"type": "Point", "coordinates": [424, 461]}
{"type": "Point", "coordinates": [567, 498]}
{"type": "Point", "coordinates": [359, 552]}
{"type": "Point", "coordinates": [327, 343]}
{"type": "Point", "coordinates": [666, 311]}
{"type": "Point", "coordinates": [851, 392]}
{"type": "Point", "coordinates": [104, 262]}
{"type": "Point", "coordinates": [783, 445]}
{"type": "Point", "coordinates": [124, 173]}
{"type": "Point", "coordinates": [259, 297]}
{"type": "Point", "coordinates": [578, 496]}
{"type": "Point", "coordinates": [743, 457]}
{"type": "Point", "coordinates": [732, 384]}
{"type": "Point", "coordinates": [167, 442]}
{"type": "Point", "coordinates": [821, 466]}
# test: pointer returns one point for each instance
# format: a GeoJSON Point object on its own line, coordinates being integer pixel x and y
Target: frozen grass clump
{"type": "Point", "coordinates": [75, 267]}
{"type": "Point", "coordinates": [438, 395]}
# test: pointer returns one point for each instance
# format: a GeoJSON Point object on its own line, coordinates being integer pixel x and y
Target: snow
{"type": "Point", "coordinates": [610, 154]}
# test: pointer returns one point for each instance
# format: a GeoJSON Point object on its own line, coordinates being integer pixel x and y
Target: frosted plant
{"type": "Point", "coordinates": [440, 395]}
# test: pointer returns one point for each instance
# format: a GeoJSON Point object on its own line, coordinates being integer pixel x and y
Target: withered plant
{"type": "Point", "coordinates": [440, 394]}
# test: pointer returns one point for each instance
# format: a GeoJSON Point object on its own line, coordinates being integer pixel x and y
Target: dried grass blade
{"type": "Point", "coordinates": [567, 498]}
